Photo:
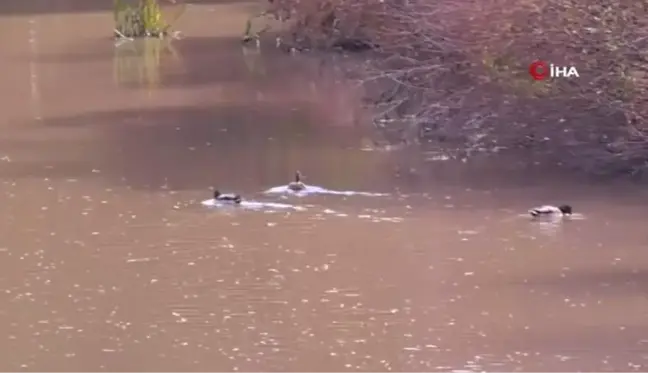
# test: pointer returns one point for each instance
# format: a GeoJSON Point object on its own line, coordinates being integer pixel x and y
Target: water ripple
{"type": "Point", "coordinates": [312, 190]}
{"type": "Point", "coordinates": [253, 205]}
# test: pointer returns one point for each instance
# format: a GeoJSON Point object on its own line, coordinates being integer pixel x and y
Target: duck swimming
{"type": "Point", "coordinates": [227, 197]}
{"type": "Point", "coordinates": [549, 210]}
{"type": "Point", "coordinates": [297, 185]}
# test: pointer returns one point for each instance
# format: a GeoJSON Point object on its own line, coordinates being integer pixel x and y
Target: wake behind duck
{"type": "Point", "coordinates": [554, 213]}
{"type": "Point", "coordinates": [252, 205]}
{"type": "Point", "coordinates": [300, 189]}
{"type": "Point", "coordinates": [222, 200]}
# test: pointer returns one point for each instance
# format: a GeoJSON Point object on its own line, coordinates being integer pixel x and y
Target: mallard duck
{"type": "Point", "coordinates": [227, 197]}
{"type": "Point", "coordinates": [549, 210]}
{"type": "Point", "coordinates": [297, 185]}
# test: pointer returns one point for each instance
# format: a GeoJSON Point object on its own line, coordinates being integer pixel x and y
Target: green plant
{"type": "Point", "coordinates": [152, 17]}
{"type": "Point", "coordinates": [142, 19]}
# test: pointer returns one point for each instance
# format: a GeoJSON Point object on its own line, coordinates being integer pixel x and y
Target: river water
{"type": "Point", "coordinates": [108, 261]}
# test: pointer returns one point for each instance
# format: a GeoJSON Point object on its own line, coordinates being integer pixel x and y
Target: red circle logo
{"type": "Point", "coordinates": [539, 70]}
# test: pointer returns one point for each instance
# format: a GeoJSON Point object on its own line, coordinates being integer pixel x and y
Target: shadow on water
{"type": "Point", "coordinates": [252, 144]}
{"type": "Point", "coordinates": [159, 63]}
{"type": "Point", "coordinates": [248, 61]}
{"type": "Point", "coordinates": [241, 64]}
{"type": "Point", "coordinates": [254, 63]}
{"type": "Point", "coordinates": [199, 147]}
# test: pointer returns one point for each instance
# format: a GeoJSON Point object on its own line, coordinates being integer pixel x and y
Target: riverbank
{"type": "Point", "coordinates": [459, 74]}
{"type": "Point", "coordinates": [471, 113]}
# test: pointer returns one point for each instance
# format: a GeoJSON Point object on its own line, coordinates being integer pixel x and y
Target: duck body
{"type": "Point", "coordinates": [227, 197]}
{"type": "Point", "coordinates": [549, 210]}
{"type": "Point", "coordinates": [297, 185]}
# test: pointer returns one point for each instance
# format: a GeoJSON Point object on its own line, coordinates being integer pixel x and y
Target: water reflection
{"type": "Point", "coordinates": [252, 57]}
{"type": "Point", "coordinates": [226, 143]}
{"type": "Point", "coordinates": [82, 6]}
{"type": "Point", "coordinates": [138, 62]}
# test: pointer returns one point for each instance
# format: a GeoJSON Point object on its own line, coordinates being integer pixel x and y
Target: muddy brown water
{"type": "Point", "coordinates": [108, 262]}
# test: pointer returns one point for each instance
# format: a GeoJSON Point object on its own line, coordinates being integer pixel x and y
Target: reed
{"type": "Point", "coordinates": [142, 19]}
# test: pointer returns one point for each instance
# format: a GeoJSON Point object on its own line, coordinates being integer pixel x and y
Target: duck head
{"type": "Point", "coordinates": [565, 209]}
{"type": "Point", "coordinates": [217, 194]}
{"type": "Point", "coordinates": [298, 176]}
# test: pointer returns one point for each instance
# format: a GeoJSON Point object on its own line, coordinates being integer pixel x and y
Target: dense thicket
{"type": "Point", "coordinates": [457, 71]}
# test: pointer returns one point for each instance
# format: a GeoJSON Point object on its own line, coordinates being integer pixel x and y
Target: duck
{"type": "Point", "coordinates": [297, 185]}
{"type": "Point", "coordinates": [227, 197]}
{"type": "Point", "coordinates": [548, 210]}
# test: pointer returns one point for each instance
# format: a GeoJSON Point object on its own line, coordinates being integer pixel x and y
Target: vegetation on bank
{"type": "Point", "coordinates": [457, 72]}
{"type": "Point", "coordinates": [141, 27]}
{"type": "Point", "coordinates": [143, 18]}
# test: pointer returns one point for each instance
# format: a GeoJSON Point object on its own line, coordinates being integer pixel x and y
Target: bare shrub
{"type": "Point", "coordinates": [458, 70]}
